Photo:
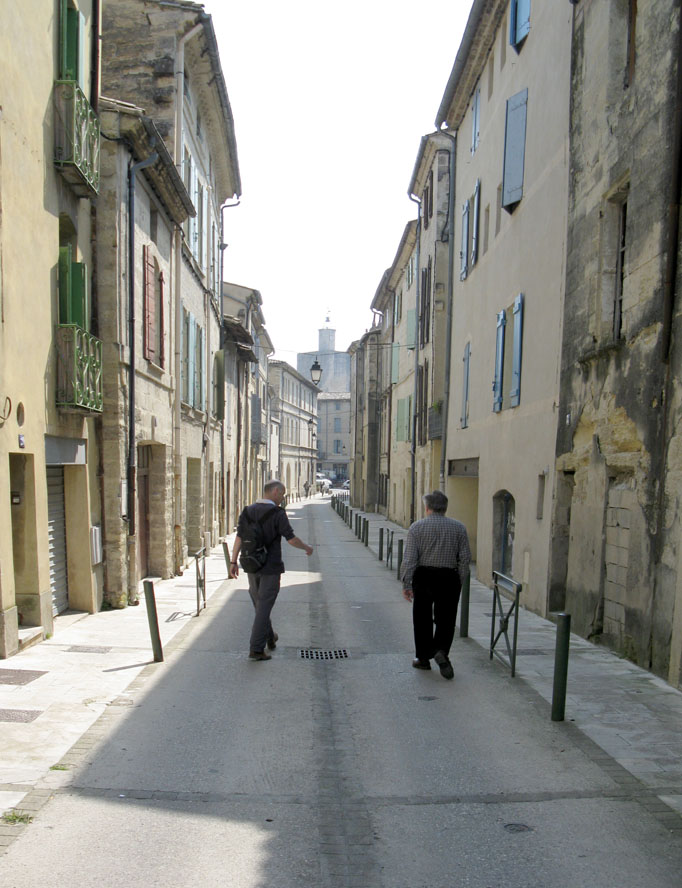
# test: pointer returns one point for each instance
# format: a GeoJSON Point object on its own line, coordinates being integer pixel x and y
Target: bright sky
{"type": "Point", "coordinates": [330, 103]}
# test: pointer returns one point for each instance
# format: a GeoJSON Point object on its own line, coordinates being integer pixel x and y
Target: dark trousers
{"type": "Point", "coordinates": [436, 596]}
{"type": "Point", "coordinates": [263, 589]}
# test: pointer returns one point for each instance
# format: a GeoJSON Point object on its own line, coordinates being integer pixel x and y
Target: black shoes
{"type": "Point", "coordinates": [421, 664]}
{"type": "Point", "coordinates": [259, 655]}
{"type": "Point", "coordinates": [444, 665]}
{"type": "Point", "coordinates": [272, 642]}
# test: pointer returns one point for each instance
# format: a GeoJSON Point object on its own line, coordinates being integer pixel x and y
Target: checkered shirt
{"type": "Point", "coordinates": [435, 541]}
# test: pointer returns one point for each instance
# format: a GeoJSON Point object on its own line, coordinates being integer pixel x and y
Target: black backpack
{"type": "Point", "coordinates": [253, 553]}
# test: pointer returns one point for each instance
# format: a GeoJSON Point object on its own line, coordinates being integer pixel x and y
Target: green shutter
{"type": "Point", "coordinates": [395, 362]}
{"type": "Point", "coordinates": [191, 361]}
{"type": "Point", "coordinates": [69, 27]}
{"type": "Point", "coordinates": [79, 295]}
{"type": "Point", "coordinates": [220, 384]}
{"type": "Point", "coordinates": [411, 327]}
{"type": "Point", "coordinates": [65, 255]}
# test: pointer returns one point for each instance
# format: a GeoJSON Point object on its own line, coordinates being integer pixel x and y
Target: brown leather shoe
{"type": "Point", "coordinates": [272, 642]}
{"type": "Point", "coordinates": [421, 664]}
{"type": "Point", "coordinates": [259, 655]}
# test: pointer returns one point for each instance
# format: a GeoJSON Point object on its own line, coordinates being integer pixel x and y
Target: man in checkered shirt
{"type": "Point", "coordinates": [435, 564]}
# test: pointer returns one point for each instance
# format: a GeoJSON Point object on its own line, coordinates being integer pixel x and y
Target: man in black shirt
{"type": "Point", "coordinates": [264, 585]}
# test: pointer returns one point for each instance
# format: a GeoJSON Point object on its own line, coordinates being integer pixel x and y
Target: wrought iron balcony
{"type": "Point", "coordinates": [435, 421]}
{"type": "Point", "coordinates": [79, 369]}
{"type": "Point", "coordinates": [76, 147]}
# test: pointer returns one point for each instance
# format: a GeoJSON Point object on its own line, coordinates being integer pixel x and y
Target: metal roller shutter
{"type": "Point", "coordinates": [56, 524]}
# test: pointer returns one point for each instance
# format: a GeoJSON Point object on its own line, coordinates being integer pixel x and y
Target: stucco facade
{"type": "Point", "coordinates": [50, 508]}
{"type": "Point", "coordinates": [294, 406]}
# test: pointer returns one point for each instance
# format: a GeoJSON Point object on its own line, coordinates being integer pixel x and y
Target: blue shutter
{"type": "Point", "coordinates": [191, 360]}
{"type": "Point", "coordinates": [474, 226]}
{"type": "Point", "coordinates": [465, 386]}
{"type": "Point", "coordinates": [499, 361]}
{"type": "Point", "coordinates": [514, 149]}
{"type": "Point", "coordinates": [515, 393]}
{"type": "Point", "coordinates": [519, 21]}
{"type": "Point", "coordinates": [475, 119]}
{"type": "Point", "coordinates": [464, 252]}
{"type": "Point", "coordinates": [395, 362]}
{"type": "Point", "coordinates": [202, 375]}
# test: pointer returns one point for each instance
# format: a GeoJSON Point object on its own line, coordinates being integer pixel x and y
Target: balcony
{"type": "Point", "coordinates": [76, 146]}
{"type": "Point", "coordinates": [435, 420]}
{"type": "Point", "coordinates": [79, 370]}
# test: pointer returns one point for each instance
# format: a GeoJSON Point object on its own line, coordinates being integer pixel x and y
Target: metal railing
{"type": "Point", "coordinates": [77, 138]}
{"type": "Point", "coordinates": [79, 369]}
{"type": "Point", "coordinates": [508, 588]}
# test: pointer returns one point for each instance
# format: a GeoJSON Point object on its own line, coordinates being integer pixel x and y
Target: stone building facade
{"type": "Point", "coordinates": [294, 410]}
{"type": "Point", "coordinates": [616, 563]}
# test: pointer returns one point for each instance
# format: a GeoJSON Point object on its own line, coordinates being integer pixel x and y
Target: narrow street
{"type": "Point", "coordinates": [355, 771]}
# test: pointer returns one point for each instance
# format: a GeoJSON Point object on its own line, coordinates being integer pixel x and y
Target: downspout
{"type": "Point", "coordinates": [669, 291]}
{"type": "Point", "coordinates": [224, 505]}
{"type": "Point", "coordinates": [449, 310]}
{"type": "Point", "coordinates": [132, 172]}
{"type": "Point", "coordinates": [177, 251]}
{"type": "Point", "coordinates": [413, 449]}
{"type": "Point", "coordinates": [96, 72]}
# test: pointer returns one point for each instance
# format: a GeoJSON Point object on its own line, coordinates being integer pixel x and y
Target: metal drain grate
{"type": "Point", "coordinates": [314, 654]}
{"type": "Point", "coordinates": [87, 649]}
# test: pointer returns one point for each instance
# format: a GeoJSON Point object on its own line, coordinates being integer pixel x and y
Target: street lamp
{"type": "Point", "coordinates": [316, 372]}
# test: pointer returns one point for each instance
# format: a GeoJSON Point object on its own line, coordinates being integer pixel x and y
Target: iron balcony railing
{"type": "Point", "coordinates": [435, 423]}
{"type": "Point", "coordinates": [79, 369]}
{"type": "Point", "coordinates": [76, 147]}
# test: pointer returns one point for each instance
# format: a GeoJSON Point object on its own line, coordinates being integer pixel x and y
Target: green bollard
{"type": "Point", "coordinates": [366, 535]}
{"type": "Point", "coordinates": [381, 544]}
{"type": "Point", "coordinates": [400, 555]}
{"type": "Point", "coordinates": [563, 637]}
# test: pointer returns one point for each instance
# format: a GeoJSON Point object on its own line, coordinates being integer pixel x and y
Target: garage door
{"type": "Point", "coordinates": [56, 525]}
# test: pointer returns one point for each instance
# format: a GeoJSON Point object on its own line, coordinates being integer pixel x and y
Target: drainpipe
{"type": "Point", "coordinates": [177, 251]}
{"type": "Point", "coordinates": [413, 449]}
{"type": "Point", "coordinates": [223, 247]}
{"type": "Point", "coordinates": [449, 310]}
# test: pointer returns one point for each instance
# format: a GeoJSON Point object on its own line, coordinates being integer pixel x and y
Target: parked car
{"type": "Point", "coordinates": [346, 484]}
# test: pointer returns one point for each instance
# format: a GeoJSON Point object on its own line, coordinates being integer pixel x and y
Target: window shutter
{"type": "Point", "coordinates": [411, 327]}
{"type": "Point", "coordinates": [65, 261]}
{"type": "Point", "coordinates": [80, 310]}
{"type": "Point", "coordinates": [515, 392]}
{"type": "Point", "coordinates": [160, 324]}
{"type": "Point", "coordinates": [408, 419]}
{"type": "Point", "coordinates": [69, 28]}
{"type": "Point", "coordinates": [80, 52]}
{"type": "Point", "coordinates": [399, 420]}
{"type": "Point", "coordinates": [475, 120]}
{"type": "Point", "coordinates": [148, 302]}
{"type": "Point", "coordinates": [464, 252]}
{"type": "Point", "coordinates": [191, 360]}
{"type": "Point", "coordinates": [499, 361]}
{"type": "Point", "coordinates": [519, 21]}
{"type": "Point", "coordinates": [514, 149]}
{"type": "Point", "coordinates": [465, 386]}
{"type": "Point", "coordinates": [201, 395]}
{"type": "Point", "coordinates": [474, 226]}
{"type": "Point", "coordinates": [395, 362]}
{"type": "Point", "coordinates": [220, 384]}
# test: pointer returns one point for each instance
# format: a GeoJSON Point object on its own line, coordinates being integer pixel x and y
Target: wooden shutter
{"type": "Point", "coordinates": [519, 21]}
{"type": "Point", "coordinates": [465, 386]}
{"type": "Point", "coordinates": [499, 362]}
{"type": "Point", "coordinates": [514, 149]}
{"type": "Point", "coordinates": [515, 392]}
{"type": "Point", "coordinates": [70, 26]}
{"type": "Point", "coordinates": [160, 325]}
{"type": "Point", "coordinates": [219, 384]}
{"type": "Point", "coordinates": [80, 304]}
{"type": "Point", "coordinates": [475, 119]}
{"type": "Point", "coordinates": [201, 399]}
{"type": "Point", "coordinates": [148, 304]}
{"type": "Point", "coordinates": [65, 261]}
{"type": "Point", "coordinates": [191, 360]}
{"type": "Point", "coordinates": [411, 327]}
{"type": "Point", "coordinates": [395, 362]}
{"type": "Point", "coordinates": [464, 251]}
{"type": "Point", "coordinates": [475, 223]}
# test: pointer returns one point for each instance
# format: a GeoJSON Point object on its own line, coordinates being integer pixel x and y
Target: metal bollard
{"type": "Point", "coordinates": [226, 553]}
{"type": "Point", "coordinates": [153, 619]}
{"type": "Point", "coordinates": [400, 555]}
{"type": "Point", "coordinates": [366, 535]}
{"type": "Point", "coordinates": [464, 607]}
{"type": "Point", "coordinates": [563, 637]}
{"type": "Point", "coordinates": [381, 544]}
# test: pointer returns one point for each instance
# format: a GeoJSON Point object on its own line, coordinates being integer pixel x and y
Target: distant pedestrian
{"type": "Point", "coordinates": [435, 564]}
{"type": "Point", "coordinates": [264, 583]}
{"type": "Point", "coordinates": [306, 488]}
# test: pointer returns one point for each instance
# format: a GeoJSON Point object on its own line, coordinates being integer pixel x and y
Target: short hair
{"type": "Point", "coordinates": [273, 485]}
{"type": "Point", "coordinates": [437, 502]}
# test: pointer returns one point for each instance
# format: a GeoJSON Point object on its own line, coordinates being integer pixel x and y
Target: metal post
{"type": "Point", "coordinates": [226, 553]}
{"type": "Point", "coordinates": [464, 607]}
{"type": "Point", "coordinates": [381, 544]}
{"type": "Point", "coordinates": [400, 554]}
{"type": "Point", "coordinates": [563, 637]}
{"type": "Point", "coordinates": [153, 619]}
{"type": "Point", "coordinates": [366, 531]}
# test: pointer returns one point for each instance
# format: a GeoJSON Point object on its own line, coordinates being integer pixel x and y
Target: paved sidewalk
{"type": "Point", "coordinates": [53, 692]}
{"type": "Point", "coordinates": [633, 716]}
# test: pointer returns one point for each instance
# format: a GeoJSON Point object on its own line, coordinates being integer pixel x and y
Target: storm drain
{"type": "Point", "coordinates": [314, 654]}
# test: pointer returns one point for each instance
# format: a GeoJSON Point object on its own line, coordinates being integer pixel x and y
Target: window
{"type": "Point", "coordinates": [475, 119]}
{"type": "Point", "coordinates": [486, 229]}
{"type": "Point", "coordinates": [193, 370]}
{"type": "Point", "coordinates": [71, 44]}
{"type": "Point", "coordinates": [614, 213]}
{"type": "Point", "coordinates": [397, 307]}
{"type": "Point", "coordinates": [395, 362]}
{"type": "Point", "coordinates": [403, 431]}
{"type": "Point", "coordinates": [427, 201]}
{"type": "Point", "coordinates": [425, 312]}
{"type": "Point", "coordinates": [337, 445]}
{"type": "Point", "coordinates": [411, 328]}
{"type": "Point", "coordinates": [218, 404]}
{"type": "Point", "coordinates": [491, 74]}
{"type": "Point", "coordinates": [464, 250]}
{"type": "Point", "coordinates": [508, 356]}
{"type": "Point", "coordinates": [465, 386]}
{"type": "Point", "coordinates": [152, 298]}
{"type": "Point", "coordinates": [337, 406]}
{"type": "Point", "coordinates": [476, 203]}
{"type": "Point", "coordinates": [519, 22]}
{"type": "Point", "coordinates": [410, 271]}
{"type": "Point", "coordinates": [620, 273]}
{"type": "Point", "coordinates": [514, 150]}
{"type": "Point", "coordinates": [74, 297]}
{"type": "Point", "coordinates": [337, 424]}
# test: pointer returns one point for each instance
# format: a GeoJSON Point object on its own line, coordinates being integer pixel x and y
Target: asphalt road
{"type": "Point", "coordinates": [352, 770]}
